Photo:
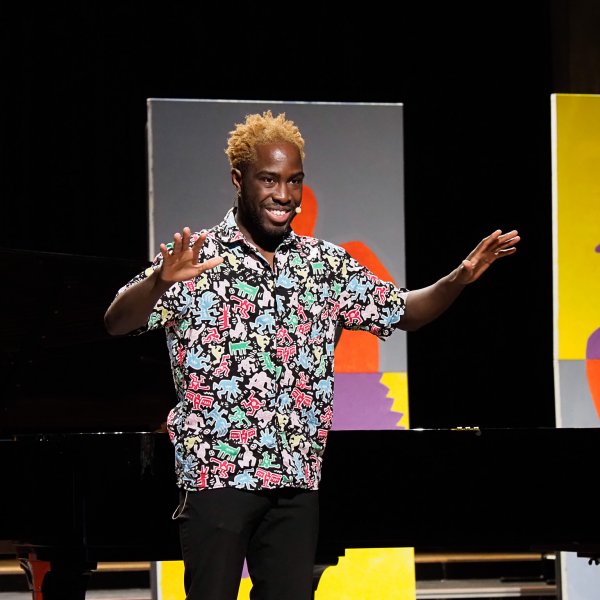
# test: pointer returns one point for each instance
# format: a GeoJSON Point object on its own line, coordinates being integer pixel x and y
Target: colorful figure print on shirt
{"type": "Point", "coordinates": [252, 356]}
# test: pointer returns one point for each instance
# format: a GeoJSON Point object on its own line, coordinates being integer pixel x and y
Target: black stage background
{"type": "Point", "coordinates": [476, 85]}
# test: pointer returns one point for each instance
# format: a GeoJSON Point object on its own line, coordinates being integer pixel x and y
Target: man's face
{"type": "Point", "coordinates": [271, 189]}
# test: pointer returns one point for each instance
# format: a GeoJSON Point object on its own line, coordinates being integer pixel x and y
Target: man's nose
{"type": "Point", "coordinates": [282, 193]}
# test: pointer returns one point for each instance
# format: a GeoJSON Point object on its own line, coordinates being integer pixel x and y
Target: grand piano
{"type": "Point", "coordinates": [87, 471]}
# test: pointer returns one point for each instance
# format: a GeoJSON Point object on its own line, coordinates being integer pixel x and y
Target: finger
{"type": "Point", "coordinates": [497, 242]}
{"type": "Point", "coordinates": [185, 239]}
{"type": "Point", "coordinates": [164, 250]}
{"type": "Point", "coordinates": [488, 242]}
{"type": "Point", "coordinates": [197, 245]}
{"type": "Point", "coordinates": [509, 234]}
{"type": "Point", "coordinates": [512, 241]}
{"type": "Point", "coordinates": [211, 263]}
{"type": "Point", "coordinates": [508, 237]}
{"type": "Point", "coordinates": [505, 252]}
{"type": "Point", "coordinates": [467, 265]}
{"type": "Point", "coordinates": [177, 242]}
{"type": "Point", "coordinates": [508, 245]}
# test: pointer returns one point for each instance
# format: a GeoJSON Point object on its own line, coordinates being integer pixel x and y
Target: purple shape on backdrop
{"type": "Point", "coordinates": [361, 402]}
{"type": "Point", "coordinates": [593, 346]}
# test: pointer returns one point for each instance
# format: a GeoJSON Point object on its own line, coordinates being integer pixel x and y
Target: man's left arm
{"type": "Point", "coordinates": [424, 305]}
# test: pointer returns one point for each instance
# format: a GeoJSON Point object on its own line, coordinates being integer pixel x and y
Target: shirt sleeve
{"type": "Point", "coordinates": [369, 303]}
{"type": "Point", "coordinates": [170, 305]}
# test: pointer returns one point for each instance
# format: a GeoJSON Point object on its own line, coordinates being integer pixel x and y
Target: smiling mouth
{"type": "Point", "coordinates": [278, 212]}
{"type": "Point", "coordinates": [278, 215]}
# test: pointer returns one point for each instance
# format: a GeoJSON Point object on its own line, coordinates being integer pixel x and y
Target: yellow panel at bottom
{"type": "Point", "coordinates": [370, 574]}
{"type": "Point", "coordinates": [168, 575]}
{"type": "Point", "coordinates": [366, 573]}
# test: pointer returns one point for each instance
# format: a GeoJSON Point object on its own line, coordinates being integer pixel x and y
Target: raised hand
{"type": "Point", "coordinates": [180, 259]}
{"type": "Point", "coordinates": [491, 248]}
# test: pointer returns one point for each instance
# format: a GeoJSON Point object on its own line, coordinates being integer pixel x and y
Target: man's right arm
{"type": "Point", "coordinates": [132, 307]}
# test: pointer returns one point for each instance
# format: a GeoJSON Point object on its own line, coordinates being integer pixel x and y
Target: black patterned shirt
{"type": "Point", "coordinates": [251, 350]}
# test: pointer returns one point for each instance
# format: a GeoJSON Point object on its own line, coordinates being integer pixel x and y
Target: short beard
{"type": "Point", "coordinates": [265, 239]}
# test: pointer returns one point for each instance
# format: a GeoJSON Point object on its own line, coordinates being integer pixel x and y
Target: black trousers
{"type": "Point", "coordinates": [275, 531]}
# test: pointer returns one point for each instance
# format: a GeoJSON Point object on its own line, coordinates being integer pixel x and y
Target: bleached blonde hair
{"type": "Point", "coordinates": [260, 129]}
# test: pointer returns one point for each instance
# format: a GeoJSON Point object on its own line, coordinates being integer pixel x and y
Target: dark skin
{"type": "Point", "coordinates": [269, 190]}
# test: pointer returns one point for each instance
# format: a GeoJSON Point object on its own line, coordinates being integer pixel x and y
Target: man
{"type": "Point", "coordinates": [251, 311]}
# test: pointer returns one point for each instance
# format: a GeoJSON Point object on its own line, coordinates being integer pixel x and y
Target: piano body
{"type": "Point", "coordinates": [88, 473]}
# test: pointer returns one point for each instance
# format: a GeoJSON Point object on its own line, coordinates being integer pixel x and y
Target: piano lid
{"type": "Point", "coordinates": [60, 369]}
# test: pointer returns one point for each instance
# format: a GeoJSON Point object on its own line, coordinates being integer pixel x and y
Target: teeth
{"type": "Point", "coordinates": [279, 213]}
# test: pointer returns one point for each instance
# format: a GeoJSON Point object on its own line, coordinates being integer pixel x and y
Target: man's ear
{"type": "Point", "coordinates": [236, 179]}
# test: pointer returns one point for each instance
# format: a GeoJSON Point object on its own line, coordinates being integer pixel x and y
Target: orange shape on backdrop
{"type": "Point", "coordinates": [592, 367]}
{"type": "Point", "coordinates": [304, 223]}
{"type": "Point", "coordinates": [357, 351]}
